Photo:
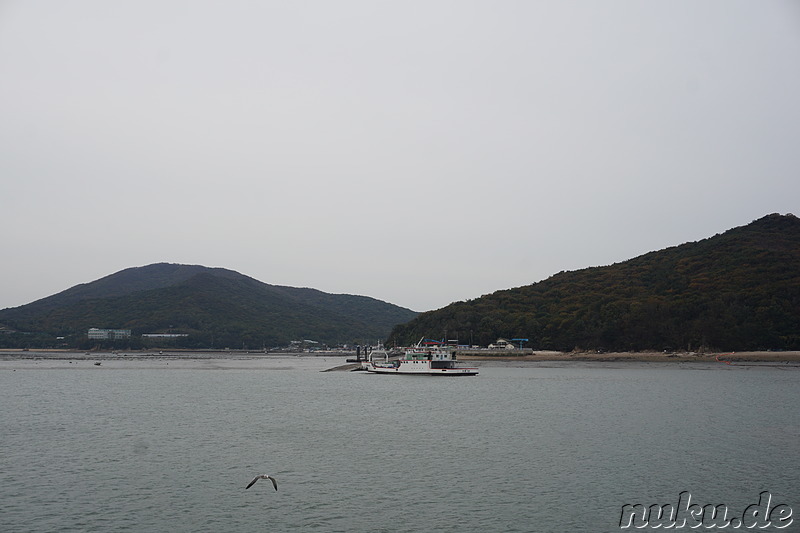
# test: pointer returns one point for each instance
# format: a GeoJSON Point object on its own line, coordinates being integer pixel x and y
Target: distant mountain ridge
{"type": "Point", "coordinates": [216, 307]}
{"type": "Point", "coordinates": [128, 281]}
{"type": "Point", "coordinates": [736, 291]}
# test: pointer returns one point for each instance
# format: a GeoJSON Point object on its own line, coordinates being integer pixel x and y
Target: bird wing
{"type": "Point", "coordinates": [253, 482]}
{"type": "Point", "coordinates": [274, 483]}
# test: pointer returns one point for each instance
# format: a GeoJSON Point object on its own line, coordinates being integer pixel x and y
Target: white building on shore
{"type": "Point", "coordinates": [108, 334]}
{"type": "Point", "coordinates": [502, 344]}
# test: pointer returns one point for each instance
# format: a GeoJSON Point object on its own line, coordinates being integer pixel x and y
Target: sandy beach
{"type": "Point", "coordinates": [652, 357]}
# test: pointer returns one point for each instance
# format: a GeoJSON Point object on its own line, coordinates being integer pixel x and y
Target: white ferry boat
{"type": "Point", "coordinates": [428, 358]}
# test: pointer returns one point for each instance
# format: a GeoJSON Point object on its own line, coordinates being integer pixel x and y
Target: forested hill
{"type": "Point", "coordinates": [214, 306]}
{"type": "Point", "coordinates": [736, 291]}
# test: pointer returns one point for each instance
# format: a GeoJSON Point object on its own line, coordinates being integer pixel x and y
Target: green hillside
{"type": "Point", "coordinates": [739, 290]}
{"type": "Point", "coordinates": [214, 306]}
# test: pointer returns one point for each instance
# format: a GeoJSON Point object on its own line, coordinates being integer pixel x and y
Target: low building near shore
{"type": "Point", "coordinates": [502, 344]}
{"type": "Point", "coordinates": [108, 334]}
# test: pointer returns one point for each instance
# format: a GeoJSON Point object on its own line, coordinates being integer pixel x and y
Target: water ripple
{"type": "Point", "coordinates": [514, 449]}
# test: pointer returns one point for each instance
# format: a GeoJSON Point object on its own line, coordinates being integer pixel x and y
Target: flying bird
{"type": "Point", "coordinates": [263, 476]}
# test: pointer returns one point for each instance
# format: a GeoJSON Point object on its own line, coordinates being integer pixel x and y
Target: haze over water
{"type": "Point", "coordinates": [168, 445]}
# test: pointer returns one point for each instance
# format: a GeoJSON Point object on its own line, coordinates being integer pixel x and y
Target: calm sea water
{"type": "Point", "coordinates": [170, 445]}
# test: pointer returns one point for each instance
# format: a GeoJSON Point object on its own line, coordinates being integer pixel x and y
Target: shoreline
{"type": "Point", "coordinates": [640, 357]}
{"type": "Point", "coordinates": [62, 359]}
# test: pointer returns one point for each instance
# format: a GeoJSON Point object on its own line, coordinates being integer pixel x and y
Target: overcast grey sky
{"type": "Point", "coordinates": [418, 152]}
